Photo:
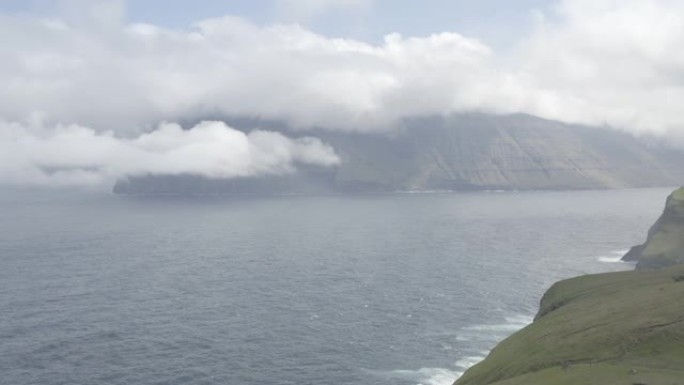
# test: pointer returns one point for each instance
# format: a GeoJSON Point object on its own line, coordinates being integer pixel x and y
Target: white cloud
{"type": "Point", "coordinates": [605, 61]}
{"type": "Point", "coordinates": [76, 155]}
{"type": "Point", "coordinates": [144, 74]}
{"type": "Point", "coordinates": [591, 61]}
{"type": "Point", "coordinates": [618, 62]}
{"type": "Point", "coordinates": [614, 62]}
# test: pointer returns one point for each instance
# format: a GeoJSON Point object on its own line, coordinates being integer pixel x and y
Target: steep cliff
{"type": "Point", "coordinates": [617, 328]}
{"type": "Point", "coordinates": [461, 152]}
{"type": "Point", "coordinates": [664, 245]}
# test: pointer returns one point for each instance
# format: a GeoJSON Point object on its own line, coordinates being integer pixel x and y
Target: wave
{"type": "Point", "coordinates": [466, 363]}
{"type": "Point", "coordinates": [424, 191]}
{"type": "Point", "coordinates": [490, 334]}
{"type": "Point", "coordinates": [614, 257]}
{"type": "Point", "coordinates": [477, 340]}
{"type": "Point", "coordinates": [427, 376]}
{"type": "Point", "coordinates": [495, 331]}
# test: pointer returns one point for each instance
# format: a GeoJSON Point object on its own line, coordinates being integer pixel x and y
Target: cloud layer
{"type": "Point", "coordinates": [602, 62]}
{"type": "Point", "coordinates": [607, 61]}
{"type": "Point", "coordinates": [76, 155]}
{"type": "Point", "coordinates": [141, 74]}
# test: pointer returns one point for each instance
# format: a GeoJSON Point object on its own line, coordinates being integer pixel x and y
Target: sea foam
{"type": "Point", "coordinates": [428, 376]}
{"type": "Point", "coordinates": [614, 257]}
{"type": "Point", "coordinates": [484, 335]}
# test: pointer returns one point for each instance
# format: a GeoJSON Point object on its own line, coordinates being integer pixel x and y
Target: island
{"type": "Point", "coordinates": [461, 152]}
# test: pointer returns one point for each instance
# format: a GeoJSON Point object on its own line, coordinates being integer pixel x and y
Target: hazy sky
{"type": "Point", "coordinates": [108, 74]}
{"type": "Point", "coordinates": [497, 22]}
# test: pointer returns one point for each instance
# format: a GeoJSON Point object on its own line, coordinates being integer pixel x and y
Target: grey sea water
{"type": "Point", "coordinates": [382, 289]}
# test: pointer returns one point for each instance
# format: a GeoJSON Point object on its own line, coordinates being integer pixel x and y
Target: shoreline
{"type": "Point", "coordinates": [614, 259]}
{"type": "Point", "coordinates": [607, 328]}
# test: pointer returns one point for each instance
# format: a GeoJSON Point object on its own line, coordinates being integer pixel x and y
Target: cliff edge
{"type": "Point", "coordinates": [616, 328]}
{"type": "Point", "coordinates": [664, 245]}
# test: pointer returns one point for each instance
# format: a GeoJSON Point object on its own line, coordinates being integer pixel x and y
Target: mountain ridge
{"type": "Point", "coordinates": [459, 152]}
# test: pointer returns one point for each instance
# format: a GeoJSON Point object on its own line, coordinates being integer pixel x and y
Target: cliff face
{"type": "Point", "coordinates": [617, 328]}
{"type": "Point", "coordinates": [470, 151]}
{"type": "Point", "coordinates": [515, 152]}
{"type": "Point", "coordinates": [664, 245]}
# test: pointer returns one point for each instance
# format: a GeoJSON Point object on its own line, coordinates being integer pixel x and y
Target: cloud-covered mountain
{"type": "Point", "coordinates": [460, 152]}
{"type": "Point", "coordinates": [85, 89]}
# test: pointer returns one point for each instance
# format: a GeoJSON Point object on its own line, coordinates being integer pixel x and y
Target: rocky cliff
{"type": "Point", "coordinates": [664, 245]}
{"type": "Point", "coordinates": [617, 328]}
{"type": "Point", "coordinates": [461, 152]}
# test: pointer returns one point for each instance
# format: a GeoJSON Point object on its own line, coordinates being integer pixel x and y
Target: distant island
{"type": "Point", "coordinates": [615, 328]}
{"type": "Point", "coordinates": [455, 153]}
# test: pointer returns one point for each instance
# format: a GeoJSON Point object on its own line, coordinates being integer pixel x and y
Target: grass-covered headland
{"type": "Point", "coordinates": [616, 328]}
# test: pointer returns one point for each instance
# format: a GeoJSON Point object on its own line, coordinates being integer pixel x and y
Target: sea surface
{"type": "Point", "coordinates": [376, 289]}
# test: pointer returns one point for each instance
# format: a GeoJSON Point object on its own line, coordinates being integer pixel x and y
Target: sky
{"type": "Point", "coordinates": [93, 89]}
{"type": "Point", "coordinates": [497, 22]}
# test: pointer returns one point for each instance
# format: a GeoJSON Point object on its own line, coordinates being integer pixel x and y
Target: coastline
{"type": "Point", "coordinates": [615, 257]}
{"type": "Point", "coordinates": [603, 328]}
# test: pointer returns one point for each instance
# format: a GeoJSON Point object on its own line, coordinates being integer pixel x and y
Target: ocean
{"type": "Point", "coordinates": [365, 289]}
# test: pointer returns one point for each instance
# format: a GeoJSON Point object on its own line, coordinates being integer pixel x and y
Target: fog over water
{"type": "Point", "coordinates": [376, 289]}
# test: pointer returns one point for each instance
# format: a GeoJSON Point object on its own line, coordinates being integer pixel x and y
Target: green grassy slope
{"type": "Point", "coordinates": [618, 328]}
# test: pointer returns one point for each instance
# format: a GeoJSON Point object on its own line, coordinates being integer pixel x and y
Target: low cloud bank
{"type": "Point", "coordinates": [76, 155]}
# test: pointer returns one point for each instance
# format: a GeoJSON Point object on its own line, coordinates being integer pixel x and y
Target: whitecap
{"type": "Point", "coordinates": [468, 362]}
{"type": "Point", "coordinates": [493, 332]}
{"type": "Point", "coordinates": [520, 320]}
{"type": "Point", "coordinates": [512, 324]}
{"type": "Point", "coordinates": [494, 328]}
{"type": "Point", "coordinates": [611, 259]}
{"type": "Point", "coordinates": [615, 256]}
{"type": "Point", "coordinates": [490, 334]}
{"type": "Point", "coordinates": [427, 376]}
